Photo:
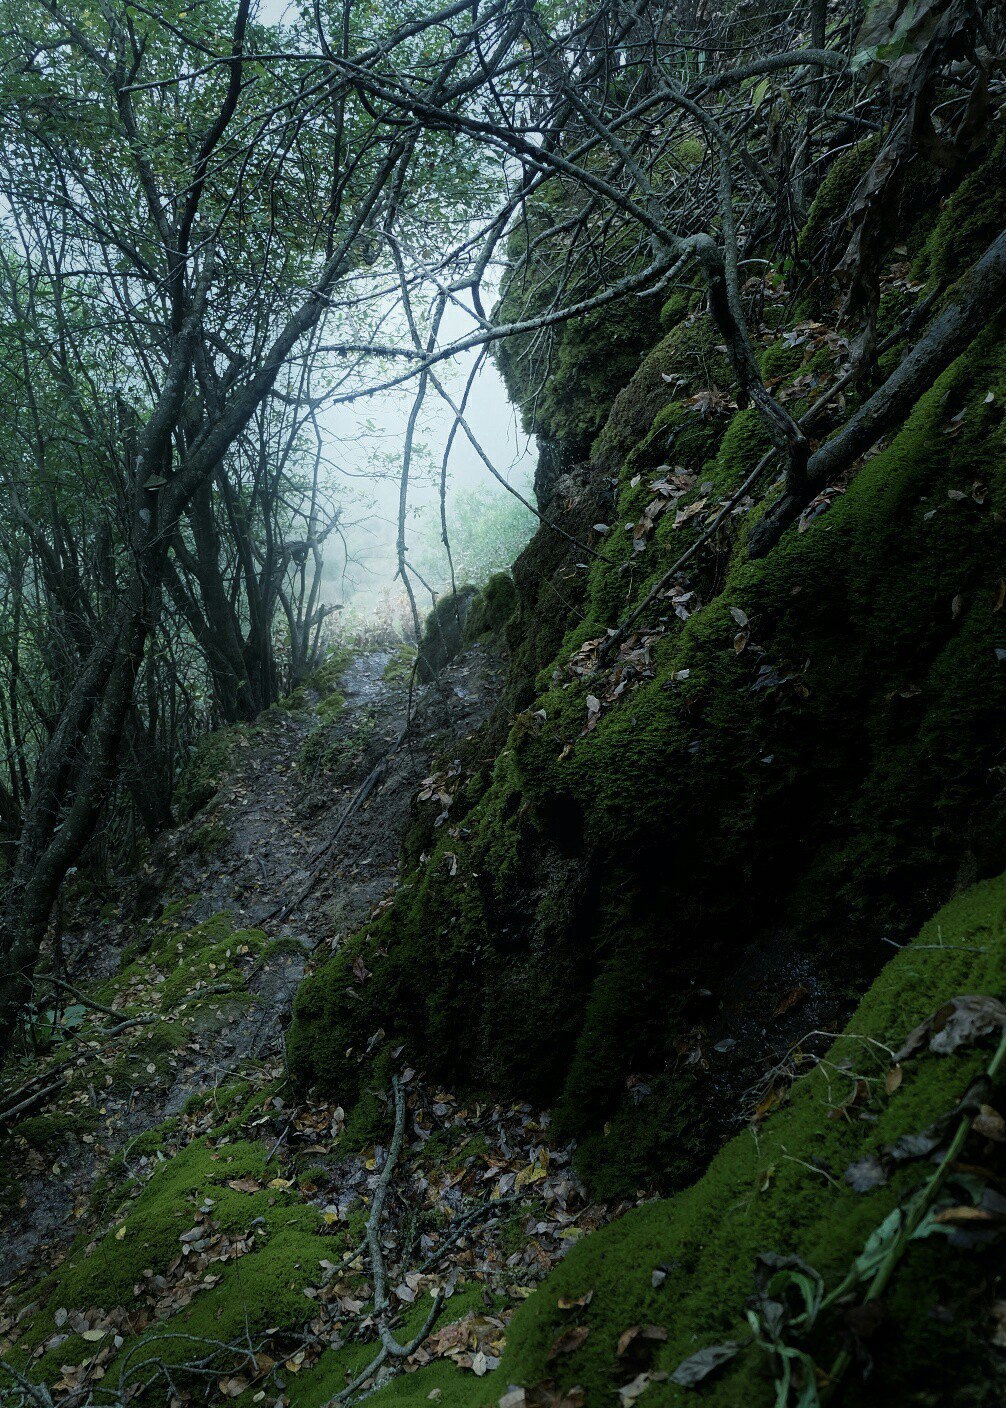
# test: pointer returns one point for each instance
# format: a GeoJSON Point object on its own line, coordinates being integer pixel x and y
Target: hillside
{"type": "Point", "coordinates": [592, 992]}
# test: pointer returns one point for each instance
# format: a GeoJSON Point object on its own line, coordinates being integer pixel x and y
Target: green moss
{"type": "Point", "coordinates": [341, 750]}
{"type": "Point", "coordinates": [968, 222]}
{"type": "Point", "coordinates": [143, 1236]}
{"type": "Point", "coordinates": [674, 309]}
{"type": "Point", "coordinates": [211, 954]}
{"type": "Point", "coordinates": [320, 686]}
{"type": "Point", "coordinates": [834, 195]}
{"type": "Point", "coordinates": [492, 608]}
{"type": "Point", "coordinates": [401, 663]}
{"type": "Point", "coordinates": [780, 1189]}
{"type": "Point", "coordinates": [44, 1131]}
{"type": "Point", "coordinates": [209, 838]}
{"type": "Point", "coordinates": [444, 631]}
{"type": "Point", "coordinates": [688, 359]}
{"type": "Point", "coordinates": [220, 1100]}
{"type": "Point", "coordinates": [206, 769]}
{"type": "Point", "coordinates": [564, 382]}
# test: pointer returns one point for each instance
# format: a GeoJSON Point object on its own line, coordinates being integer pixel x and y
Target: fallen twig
{"type": "Point", "coordinates": [282, 912]}
{"type": "Point", "coordinates": [391, 1348]}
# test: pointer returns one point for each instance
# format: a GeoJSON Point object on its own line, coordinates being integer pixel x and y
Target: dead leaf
{"type": "Point", "coordinates": [569, 1341]}
{"type": "Point", "coordinates": [699, 1366]}
{"type": "Point", "coordinates": [790, 1000]}
{"type": "Point", "coordinates": [990, 1124]}
{"type": "Point", "coordinates": [893, 1079]}
{"type": "Point", "coordinates": [630, 1392]}
{"type": "Point", "coordinates": [244, 1185]}
{"type": "Point", "coordinates": [960, 1022]}
{"type": "Point", "coordinates": [574, 1302]}
{"type": "Point", "coordinates": [651, 1334]}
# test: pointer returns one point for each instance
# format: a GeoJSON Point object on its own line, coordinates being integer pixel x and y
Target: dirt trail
{"type": "Point", "coordinates": [245, 854]}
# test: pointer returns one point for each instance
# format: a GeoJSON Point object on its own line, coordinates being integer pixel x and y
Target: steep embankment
{"type": "Point", "coordinates": [689, 853]}
{"type": "Point", "coordinates": [648, 891]}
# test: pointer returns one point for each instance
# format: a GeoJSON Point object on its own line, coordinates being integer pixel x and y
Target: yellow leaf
{"type": "Point", "coordinates": [281, 1183]}
{"type": "Point", "coordinates": [534, 1173]}
{"type": "Point", "coordinates": [120, 1233]}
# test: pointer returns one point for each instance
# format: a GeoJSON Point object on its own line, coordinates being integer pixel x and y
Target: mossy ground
{"type": "Point", "coordinates": [779, 1187]}
{"type": "Point", "coordinates": [266, 1250]}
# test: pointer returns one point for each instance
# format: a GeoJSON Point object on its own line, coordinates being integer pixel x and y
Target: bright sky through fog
{"type": "Point", "coordinates": [492, 419]}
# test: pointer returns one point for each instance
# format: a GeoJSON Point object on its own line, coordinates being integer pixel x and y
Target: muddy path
{"type": "Point", "coordinates": [278, 819]}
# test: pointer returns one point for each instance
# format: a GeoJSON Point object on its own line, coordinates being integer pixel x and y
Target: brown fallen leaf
{"type": "Point", "coordinates": [790, 1000]}
{"type": "Point", "coordinates": [960, 1022]}
{"type": "Point", "coordinates": [574, 1302]}
{"type": "Point", "coordinates": [569, 1341]}
{"type": "Point", "coordinates": [639, 1334]}
{"type": "Point", "coordinates": [990, 1124]}
{"type": "Point", "coordinates": [966, 1212]}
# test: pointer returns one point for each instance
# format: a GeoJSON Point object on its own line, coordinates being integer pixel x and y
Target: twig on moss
{"type": "Point", "coordinates": [79, 996]}
{"type": "Point", "coordinates": [391, 1348]}
{"type": "Point", "coordinates": [34, 1393]}
{"type": "Point", "coordinates": [37, 1097]}
{"type": "Point", "coordinates": [804, 423]}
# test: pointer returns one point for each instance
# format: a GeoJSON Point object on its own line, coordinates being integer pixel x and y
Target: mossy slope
{"type": "Point", "coordinates": [815, 791]}
{"type": "Point", "coordinates": [780, 1188]}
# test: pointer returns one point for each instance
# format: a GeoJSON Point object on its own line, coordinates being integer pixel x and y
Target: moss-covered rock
{"type": "Point", "coordinates": [492, 608]}
{"type": "Point", "coordinates": [565, 378]}
{"type": "Point", "coordinates": [689, 359]}
{"type": "Point", "coordinates": [444, 632]}
{"type": "Point", "coordinates": [805, 785]}
{"type": "Point", "coordinates": [779, 1188]}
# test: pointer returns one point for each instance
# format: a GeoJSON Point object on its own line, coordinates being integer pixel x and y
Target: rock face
{"type": "Point", "coordinates": [444, 632]}
{"type": "Point", "coordinates": [677, 863]}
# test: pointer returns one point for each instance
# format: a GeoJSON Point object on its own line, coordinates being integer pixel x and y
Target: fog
{"type": "Point", "coordinates": [364, 442]}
